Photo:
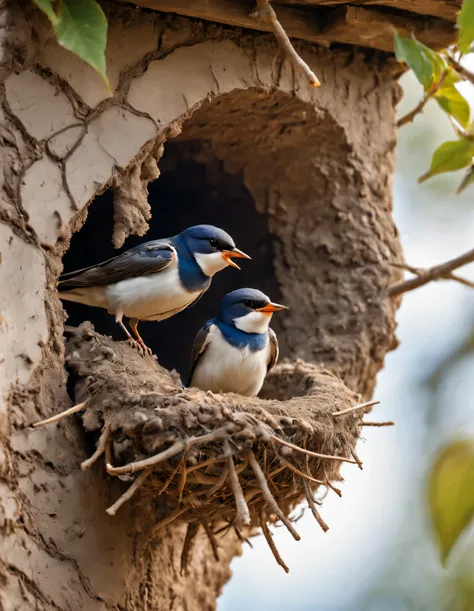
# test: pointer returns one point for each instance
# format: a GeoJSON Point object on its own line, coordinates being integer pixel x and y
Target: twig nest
{"type": "Point", "coordinates": [215, 457]}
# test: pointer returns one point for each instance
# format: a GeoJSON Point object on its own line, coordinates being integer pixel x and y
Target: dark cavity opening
{"type": "Point", "coordinates": [193, 188]}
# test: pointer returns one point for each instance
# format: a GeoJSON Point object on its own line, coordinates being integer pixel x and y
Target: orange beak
{"type": "Point", "coordinates": [272, 307]}
{"type": "Point", "coordinates": [228, 255]}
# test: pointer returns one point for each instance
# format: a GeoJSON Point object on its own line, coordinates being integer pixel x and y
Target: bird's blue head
{"type": "Point", "coordinates": [249, 310]}
{"type": "Point", "coordinates": [212, 248]}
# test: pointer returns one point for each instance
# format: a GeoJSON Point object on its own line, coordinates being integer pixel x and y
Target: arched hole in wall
{"type": "Point", "coordinates": [193, 188]}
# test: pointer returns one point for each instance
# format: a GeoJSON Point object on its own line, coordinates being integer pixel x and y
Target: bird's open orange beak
{"type": "Point", "coordinates": [228, 255]}
{"type": "Point", "coordinates": [272, 307]}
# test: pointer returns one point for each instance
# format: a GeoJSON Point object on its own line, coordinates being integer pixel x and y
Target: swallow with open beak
{"type": "Point", "coordinates": [154, 280]}
{"type": "Point", "coordinates": [234, 351]}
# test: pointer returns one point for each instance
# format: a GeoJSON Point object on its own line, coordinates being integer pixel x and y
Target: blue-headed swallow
{"type": "Point", "coordinates": [154, 280]}
{"type": "Point", "coordinates": [234, 351]}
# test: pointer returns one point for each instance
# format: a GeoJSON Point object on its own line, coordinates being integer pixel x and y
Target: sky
{"type": "Point", "coordinates": [379, 553]}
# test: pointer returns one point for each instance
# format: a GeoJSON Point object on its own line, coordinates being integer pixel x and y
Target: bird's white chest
{"type": "Point", "coordinates": [153, 297]}
{"type": "Point", "coordinates": [224, 368]}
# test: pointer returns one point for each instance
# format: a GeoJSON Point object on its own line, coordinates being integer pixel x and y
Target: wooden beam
{"type": "Point", "coordinates": [444, 9]}
{"type": "Point", "coordinates": [345, 24]}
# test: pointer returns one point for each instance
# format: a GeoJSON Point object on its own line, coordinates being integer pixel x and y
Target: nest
{"type": "Point", "coordinates": [212, 458]}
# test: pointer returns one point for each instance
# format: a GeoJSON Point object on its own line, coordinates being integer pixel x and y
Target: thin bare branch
{"type": "Point", "coordinates": [467, 74]}
{"type": "Point", "coordinates": [101, 445]}
{"type": "Point", "coordinates": [266, 13]}
{"type": "Point", "coordinates": [410, 116]}
{"type": "Point", "coordinates": [191, 533]}
{"type": "Point", "coordinates": [268, 496]}
{"type": "Point", "coordinates": [212, 539]}
{"type": "Point", "coordinates": [448, 276]}
{"type": "Point", "coordinates": [300, 473]}
{"type": "Point", "coordinates": [312, 506]}
{"type": "Point", "coordinates": [331, 486]}
{"type": "Point", "coordinates": [176, 448]}
{"type": "Point", "coordinates": [271, 543]}
{"type": "Point", "coordinates": [356, 408]}
{"type": "Point", "coordinates": [68, 412]}
{"type": "Point", "coordinates": [438, 272]}
{"type": "Point", "coordinates": [378, 423]}
{"type": "Point", "coordinates": [358, 460]}
{"type": "Point", "coordinates": [243, 514]}
{"type": "Point", "coordinates": [219, 483]}
{"type": "Point", "coordinates": [242, 537]}
{"type": "Point", "coordinates": [138, 481]}
{"type": "Point", "coordinates": [310, 453]}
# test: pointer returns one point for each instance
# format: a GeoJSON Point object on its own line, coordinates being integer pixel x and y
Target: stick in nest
{"type": "Point", "coordinates": [268, 496]}
{"type": "Point", "coordinates": [191, 533]}
{"type": "Point", "coordinates": [271, 543]}
{"type": "Point", "coordinates": [68, 412]}
{"type": "Point", "coordinates": [212, 539]}
{"type": "Point", "coordinates": [266, 13]}
{"type": "Point", "coordinates": [356, 408]}
{"type": "Point", "coordinates": [112, 510]}
{"type": "Point", "coordinates": [243, 514]}
{"type": "Point", "coordinates": [310, 453]}
{"type": "Point", "coordinates": [176, 448]}
{"type": "Point", "coordinates": [101, 444]}
{"type": "Point", "coordinates": [312, 505]}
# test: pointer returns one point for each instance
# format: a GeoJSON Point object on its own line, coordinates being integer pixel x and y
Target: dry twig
{"type": "Point", "coordinates": [176, 448]}
{"type": "Point", "coordinates": [312, 506]}
{"type": "Point", "coordinates": [309, 452]}
{"type": "Point", "coordinates": [378, 423]}
{"type": "Point", "coordinates": [243, 514]}
{"type": "Point", "coordinates": [68, 412]}
{"type": "Point", "coordinates": [268, 496]}
{"type": "Point", "coordinates": [438, 272]}
{"type": "Point", "coordinates": [212, 539]}
{"type": "Point", "coordinates": [271, 543]}
{"type": "Point", "coordinates": [101, 444]}
{"type": "Point", "coordinates": [265, 12]}
{"type": "Point", "coordinates": [112, 510]}
{"type": "Point", "coordinates": [343, 412]}
{"type": "Point", "coordinates": [191, 533]}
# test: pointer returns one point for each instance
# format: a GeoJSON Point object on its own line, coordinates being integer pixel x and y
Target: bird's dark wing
{"type": "Point", "coordinates": [200, 344]}
{"type": "Point", "coordinates": [149, 258]}
{"type": "Point", "coordinates": [274, 350]}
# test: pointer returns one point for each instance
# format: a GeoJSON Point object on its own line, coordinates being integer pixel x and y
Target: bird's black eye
{"type": "Point", "coordinates": [247, 303]}
{"type": "Point", "coordinates": [213, 242]}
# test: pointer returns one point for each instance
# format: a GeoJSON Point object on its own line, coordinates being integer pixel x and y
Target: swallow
{"type": "Point", "coordinates": [234, 351]}
{"type": "Point", "coordinates": [155, 280]}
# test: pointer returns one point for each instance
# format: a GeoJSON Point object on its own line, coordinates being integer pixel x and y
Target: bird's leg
{"type": "Point", "coordinates": [131, 341]}
{"type": "Point", "coordinates": [134, 327]}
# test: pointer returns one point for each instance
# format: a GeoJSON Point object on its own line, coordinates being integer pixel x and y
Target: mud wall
{"type": "Point", "coordinates": [318, 163]}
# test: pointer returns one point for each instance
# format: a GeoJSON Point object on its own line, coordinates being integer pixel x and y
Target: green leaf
{"type": "Point", "coordinates": [466, 26]}
{"type": "Point", "coordinates": [427, 65]}
{"type": "Point", "coordinates": [452, 102]}
{"type": "Point", "coordinates": [449, 157]}
{"type": "Point", "coordinates": [451, 493]}
{"type": "Point", "coordinates": [47, 7]}
{"type": "Point", "coordinates": [467, 180]}
{"type": "Point", "coordinates": [81, 27]}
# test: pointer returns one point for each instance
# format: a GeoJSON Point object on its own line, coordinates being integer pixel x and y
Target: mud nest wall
{"type": "Point", "coordinates": [318, 167]}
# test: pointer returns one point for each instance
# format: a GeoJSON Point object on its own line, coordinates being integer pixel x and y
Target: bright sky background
{"type": "Point", "coordinates": [378, 554]}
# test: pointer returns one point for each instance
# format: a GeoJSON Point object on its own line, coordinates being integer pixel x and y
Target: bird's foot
{"type": "Point", "coordinates": [142, 348]}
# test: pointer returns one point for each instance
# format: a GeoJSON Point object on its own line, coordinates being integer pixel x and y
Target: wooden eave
{"type": "Point", "coordinates": [362, 23]}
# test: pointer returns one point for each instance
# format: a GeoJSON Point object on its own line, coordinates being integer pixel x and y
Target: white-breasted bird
{"type": "Point", "coordinates": [234, 351]}
{"type": "Point", "coordinates": [154, 280]}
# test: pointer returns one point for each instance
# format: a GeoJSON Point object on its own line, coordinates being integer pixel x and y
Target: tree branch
{"type": "Point", "coordinates": [438, 272]}
{"type": "Point", "coordinates": [266, 13]}
{"type": "Point", "coordinates": [467, 74]}
{"type": "Point", "coordinates": [410, 116]}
